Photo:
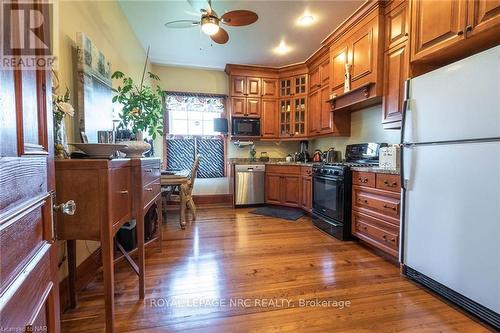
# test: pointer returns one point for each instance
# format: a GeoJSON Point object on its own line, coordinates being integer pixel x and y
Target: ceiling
{"type": "Point", "coordinates": [252, 45]}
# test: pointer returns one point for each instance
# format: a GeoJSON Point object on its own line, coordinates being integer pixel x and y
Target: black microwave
{"type": "Point", "coordinates": [246, 127]}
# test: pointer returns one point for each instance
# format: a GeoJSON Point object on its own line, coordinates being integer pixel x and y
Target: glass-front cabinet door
{"type": "Point", "coordinates": [299, 116]}
{"type": "Point", "coordinates": [285, 117]}
{"type": "Point", "coordinates": [285, 87]}
{"type": "Point", "coordinates": [300, 84]}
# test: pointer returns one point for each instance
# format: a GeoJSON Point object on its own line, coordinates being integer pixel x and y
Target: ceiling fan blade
{"type": "Point", "coordinates": [201, 6]}
{"type": "Point", "coordinates": [239, 17]}
{"type": "Point", "coordinates": [182, 24]}
{"type": "Point", "coordinates": [221, 37]}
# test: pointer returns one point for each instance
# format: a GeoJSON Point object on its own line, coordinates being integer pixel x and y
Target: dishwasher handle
{"type": "Point", "coordinates": [250, 168]}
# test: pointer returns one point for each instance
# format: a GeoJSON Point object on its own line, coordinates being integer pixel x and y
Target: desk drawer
{"type": "Point", "coordinates": [121, 194]}
{"type": "Point", "coordinates": [149, 192]}
{"type": "Point", "coordinates": [363, 178]}
{"type": "Point", "coordinates": [150, 173]}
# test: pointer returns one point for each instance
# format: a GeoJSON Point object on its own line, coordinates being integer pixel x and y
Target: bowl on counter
{"type": "Point", "coordinates": [99, 150]}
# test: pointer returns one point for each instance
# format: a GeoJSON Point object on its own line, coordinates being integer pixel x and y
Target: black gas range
{"type": "Point", "coordinates": [332, 189]}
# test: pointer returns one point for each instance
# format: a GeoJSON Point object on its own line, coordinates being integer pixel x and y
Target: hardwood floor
{"type": "Point", "coordinates": [232, 256]}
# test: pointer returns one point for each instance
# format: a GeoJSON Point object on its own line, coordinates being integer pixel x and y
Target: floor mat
{"type": "Point", "coordinates": [286, 213]}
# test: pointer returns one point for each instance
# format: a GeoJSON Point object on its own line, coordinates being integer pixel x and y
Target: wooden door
{"type": "Point", "coordinates": [269, 88]}
{"type": "Point", "coordinates": [314, 110]}
{"type": "Point", "coordinates": [482, 15]}
{"type": "Point", "coordinates": [238, 106]}
{"type": "Point", "coordinates": [436, 25]}
{"type": "Point", "coordinates": [339, 57]}
{"type": "Point", "coordinates": [325, 110]}
{"type": "Point", "coordinates": [273, 189]}
{"type": "Point", "coordinates": [28, 251]}
{"type": "Point", "coordinates": [324, 72]}
{"type": "Point", "coordinates": [269, 123]}
{"type": "Point", "coordinates": [253, 87]}
{"type": "Point", "coordinates": [314, 79]}
{"type": "Point", "coordinates": [306, 193]}
{"type": "Point", "coordinates": [253, 107]}
{"type": "Point", "coordinates": [238, 86]}
{"type": "Point", "coordinates": [395, 73]}
{"type": "Point", "coordinates": [291, 190]}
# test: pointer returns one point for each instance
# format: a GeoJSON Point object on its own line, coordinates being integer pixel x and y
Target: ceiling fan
{"type": "Point", "coordinates": [210, 21]}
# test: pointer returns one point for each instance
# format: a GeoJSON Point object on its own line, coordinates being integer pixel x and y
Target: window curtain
{"type": "Point", "coordinates": [190, 119]}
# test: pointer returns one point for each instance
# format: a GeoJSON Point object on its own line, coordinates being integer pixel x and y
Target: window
{"type": "Point", "coordinates": [191, 132]}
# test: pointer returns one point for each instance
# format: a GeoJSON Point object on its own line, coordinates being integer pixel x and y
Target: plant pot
{"type": "Point", "coordinates": [136, 148]}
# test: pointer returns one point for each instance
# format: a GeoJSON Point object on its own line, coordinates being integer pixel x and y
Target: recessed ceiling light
{"type": "Point", "coordinates": [282, 48]}
{"type": "Point", "coordinates": [306, 20]}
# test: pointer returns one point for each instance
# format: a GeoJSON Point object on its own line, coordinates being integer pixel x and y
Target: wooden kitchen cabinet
{"type": "Point", "coordinates": [314, 113]}
{"type": "Point", "coordinates": [286, 87]}
{"type": "Point", "coordinates": [397, 23]}
{"type": "Point", "coordinates": [306, 188]}
{"type": "Point", "coordinates": [325, 111]}
{"type": "Point", "coordinates": [338, 59]}
{"type": "Point", "coordinates": [245, 107]}
{"type": "Point", "coordinates": [376, 208]}
{"type": "Point", "coordinates": [269, 88]}
{"type": "Point", "coordinates": [436, 25]}
{"type": "Point", "coordinates": [283, 185]}
{"type": "Point", "coordinates": [238, 106]}
{"type": "Point", "coordinates": [269, 115]}
{"type": "Point", "coordinates": [253, 87]}
{"type": "Point", "coordinates": [445, 31]}
{"type": "Point", "coordinates": [314, 79]}
{"type": "Point", "coordinates": [319, 76]}
{"type": "Point", "coordinates": [252, 108]}
{"type": "Point", "coordinates": [238, 85]}
{"type": "Point", "coordinates": [396, 72]}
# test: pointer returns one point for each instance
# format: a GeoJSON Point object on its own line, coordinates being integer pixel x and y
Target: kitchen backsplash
{"type": "Point", "coordinates": [366, 126]}
{"type": "Point", "coordinates": [274, 149]}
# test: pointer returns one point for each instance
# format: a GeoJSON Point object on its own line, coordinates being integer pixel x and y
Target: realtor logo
{"type": "Point", "coordinates": [25, 35]}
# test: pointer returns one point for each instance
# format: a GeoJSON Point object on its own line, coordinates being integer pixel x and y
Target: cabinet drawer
{"type": "Point", "coordinates": [149, 192]}
{"type": "Point", "coordinates": [283, 169]}
{"type": "Point", "coordinates": [150, 173]}
{"type": "Point", "coordinates": [376, 232]}
{"type": "Point", "coordinates": [363, 178]}
{"type": "Point", "coordinates": [306, 171]}
{"type": "Point", "coordinates": [25, 231]}
{"type": "Point", "coordinates": [381, 203]}
{"type": "Point", "coordinates": [121, 196]}
{"type": "Point", "coordinates": [388, 182]}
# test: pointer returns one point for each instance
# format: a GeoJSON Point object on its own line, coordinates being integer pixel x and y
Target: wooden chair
{"type": "Point", "coordinates": [185, 192]}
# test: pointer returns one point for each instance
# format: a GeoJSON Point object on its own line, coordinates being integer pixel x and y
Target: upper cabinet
{"type": "Point", "coordinates": [436, 25]}
{"type": "Point", "coordinates": [245, 86]}
{"type": "Point", "coordinates": [319, 73]}
{"type": "Point", "coordinates": [356, 57]}
{"type": "Point", "coordinates": [269, 88]}
{"type": "Point", "coordinates": [444, 31]}
{"type": "Point", "coordinates": [397, 23]}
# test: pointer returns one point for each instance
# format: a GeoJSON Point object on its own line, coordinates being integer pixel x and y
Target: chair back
{"type": "Point", "coordinates": [194, 171]}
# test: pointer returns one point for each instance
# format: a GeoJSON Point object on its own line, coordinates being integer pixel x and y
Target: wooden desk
{"type": "Point", "coordinates": [177, 179]}
{"type": "Point", "coordinates": [107, 194]}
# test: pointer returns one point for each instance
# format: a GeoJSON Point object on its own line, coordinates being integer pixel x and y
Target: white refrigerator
{"type": "Point", "coordinates": [450, 169]}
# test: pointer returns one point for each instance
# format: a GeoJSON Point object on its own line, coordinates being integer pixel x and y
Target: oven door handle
{"type": "Point", "coordinates": [329, 178]}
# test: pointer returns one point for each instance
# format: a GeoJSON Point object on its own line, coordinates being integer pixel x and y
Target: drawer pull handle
{"type": "Point", "coordinates": [361, 200]}
{"type": "Point", "coordinates": [149, 189]}
{"type": "Point", "coordinates": [387, 206]}
{"type": "Point", "coordinates": [123, 192]}
{"type": "Point", "coordinates": [386, 182]}
{"type": "Point", "coordinates": [393, 240]}
{"type": "Point", "coordinates": [384, 237]}
{"type": "Point", "coordinates": [363, 180]}
{"type": "Point", "coordinates": [148, 170]}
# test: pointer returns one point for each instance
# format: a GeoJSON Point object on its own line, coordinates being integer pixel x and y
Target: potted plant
{"type": "Point", "coordinates": [61, 107]}
{"type": "Point", "coordinates": [141, 112]}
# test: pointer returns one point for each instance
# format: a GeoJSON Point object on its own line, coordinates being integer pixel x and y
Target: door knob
{"type": "Point", "coordinates": [67, 208]}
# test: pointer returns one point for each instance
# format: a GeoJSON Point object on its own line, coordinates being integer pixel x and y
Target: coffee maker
{"type": "Point", "coordinates": [303, 156]}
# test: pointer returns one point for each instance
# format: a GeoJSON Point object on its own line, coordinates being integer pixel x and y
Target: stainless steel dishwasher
{"type": "Point", "coordinates": [249, 184]}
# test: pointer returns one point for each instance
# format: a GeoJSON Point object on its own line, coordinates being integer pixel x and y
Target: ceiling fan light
{"type": "Point", "coordinates": [209, 25]}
